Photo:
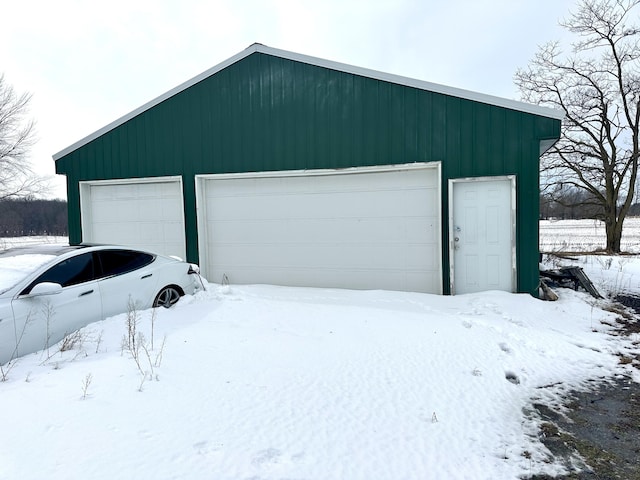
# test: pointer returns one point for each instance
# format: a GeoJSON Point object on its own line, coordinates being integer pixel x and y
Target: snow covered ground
{"type": "Point", "coordinates": [264, 382]}
{"type": "Point", "coordinates": [8, 242]}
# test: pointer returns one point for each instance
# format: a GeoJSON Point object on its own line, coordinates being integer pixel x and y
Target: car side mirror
{"type": "Point", "coordinates": [46, 288]}
{"type": "Point", "coordinates": [193, 268]}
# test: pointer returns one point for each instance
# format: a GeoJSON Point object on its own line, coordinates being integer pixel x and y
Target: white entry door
{"type": "Point", "coordinates": [482, 234]}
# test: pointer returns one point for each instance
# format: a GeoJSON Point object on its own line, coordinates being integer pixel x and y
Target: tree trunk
{"type": "Point", "coordinates": [614, 235]}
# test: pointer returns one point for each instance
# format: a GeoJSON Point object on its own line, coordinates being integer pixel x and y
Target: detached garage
{"type": "Point", "coordinates": [279, 168]}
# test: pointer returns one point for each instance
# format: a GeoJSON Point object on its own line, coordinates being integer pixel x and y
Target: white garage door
{"type": "Point", "coordinates": [144, 213]}
{"type": "Point", "coordinates": [360, 229]}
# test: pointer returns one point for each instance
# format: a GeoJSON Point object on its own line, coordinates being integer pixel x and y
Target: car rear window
{"type": "Point", "coordinates": [117, 262]}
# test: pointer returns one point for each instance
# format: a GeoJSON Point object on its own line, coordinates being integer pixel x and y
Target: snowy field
{"type": "Point", "coordinates": [585, 235]}
{"type": "Point", "coordinates": [262, 382]}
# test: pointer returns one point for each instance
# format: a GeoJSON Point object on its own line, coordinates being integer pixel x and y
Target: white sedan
{"type": "Point", "coordinates": [49, 291]}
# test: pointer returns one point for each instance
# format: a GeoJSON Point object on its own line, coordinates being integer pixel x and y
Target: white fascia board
{"type": "Point", "coordinates": [319, 62]}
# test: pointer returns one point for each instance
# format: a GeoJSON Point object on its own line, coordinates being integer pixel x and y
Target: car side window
{"type": "Point", "coordinates": [72, 271]}
{"type": "Point", "coordinates": [117, 262]}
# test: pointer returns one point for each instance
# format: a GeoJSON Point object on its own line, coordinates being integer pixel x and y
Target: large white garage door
{"type": "Point", "coordinates": [360, 229]}
{"type": "Point", "coordinates": [144, 213]}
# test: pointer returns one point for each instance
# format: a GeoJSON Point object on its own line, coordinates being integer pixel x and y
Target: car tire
{"type": "Point", "coordinates": [167, 297]}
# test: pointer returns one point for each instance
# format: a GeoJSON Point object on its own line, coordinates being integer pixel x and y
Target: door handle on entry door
{"type": "Point", "coordinates": [456, 239]}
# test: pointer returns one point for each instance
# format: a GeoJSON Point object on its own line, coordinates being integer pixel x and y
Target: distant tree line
{"type": "Point", "coordinates": [28, 216]}
{"type": "Point", "coordinates": [568, 203]}
{"type": "Point", "coordinates": [574, 203]}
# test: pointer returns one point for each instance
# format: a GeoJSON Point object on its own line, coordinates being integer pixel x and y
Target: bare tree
{"type": "Point", "coordinates": [597, 85]}
{"type": "Point", "coordinates": [17, 136]}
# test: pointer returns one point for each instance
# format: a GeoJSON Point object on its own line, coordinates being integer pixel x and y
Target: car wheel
{"type": "Point", "coordinates": [167, 297]}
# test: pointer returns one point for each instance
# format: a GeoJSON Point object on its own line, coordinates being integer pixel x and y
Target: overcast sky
{"type": "Point", "coordinates": [89, 63]}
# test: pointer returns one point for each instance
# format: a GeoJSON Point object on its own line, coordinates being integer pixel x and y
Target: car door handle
{"type": "Point", "coordinates": [146, 276]}
{"type": "Point", "coordinates": [88, 292]}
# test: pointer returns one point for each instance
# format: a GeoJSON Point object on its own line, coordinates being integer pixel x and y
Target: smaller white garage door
{"type": "Point", "coordinates": [359, 229]}
{"type": "Point", "coordinates": [142, 213]}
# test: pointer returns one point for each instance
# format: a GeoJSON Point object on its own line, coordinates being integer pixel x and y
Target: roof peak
{"type": "Point", "coordinates": [257, 47]}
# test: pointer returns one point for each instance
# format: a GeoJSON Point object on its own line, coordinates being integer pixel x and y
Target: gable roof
{"type": "Point", "coordinates": [342, 67]}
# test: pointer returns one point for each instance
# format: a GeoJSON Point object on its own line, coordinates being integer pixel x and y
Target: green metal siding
{"type": "Point", "coordinates": [266, 113]}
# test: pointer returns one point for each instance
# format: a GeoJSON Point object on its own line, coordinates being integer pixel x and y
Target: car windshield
{"type": "Point", "coordinates": [14, 268]}
{"type": "Point", "coordinates": [18, 262]}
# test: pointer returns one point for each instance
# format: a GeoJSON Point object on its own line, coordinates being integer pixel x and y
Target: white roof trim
{"type": "Point", "coordinates": [387, 77]}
